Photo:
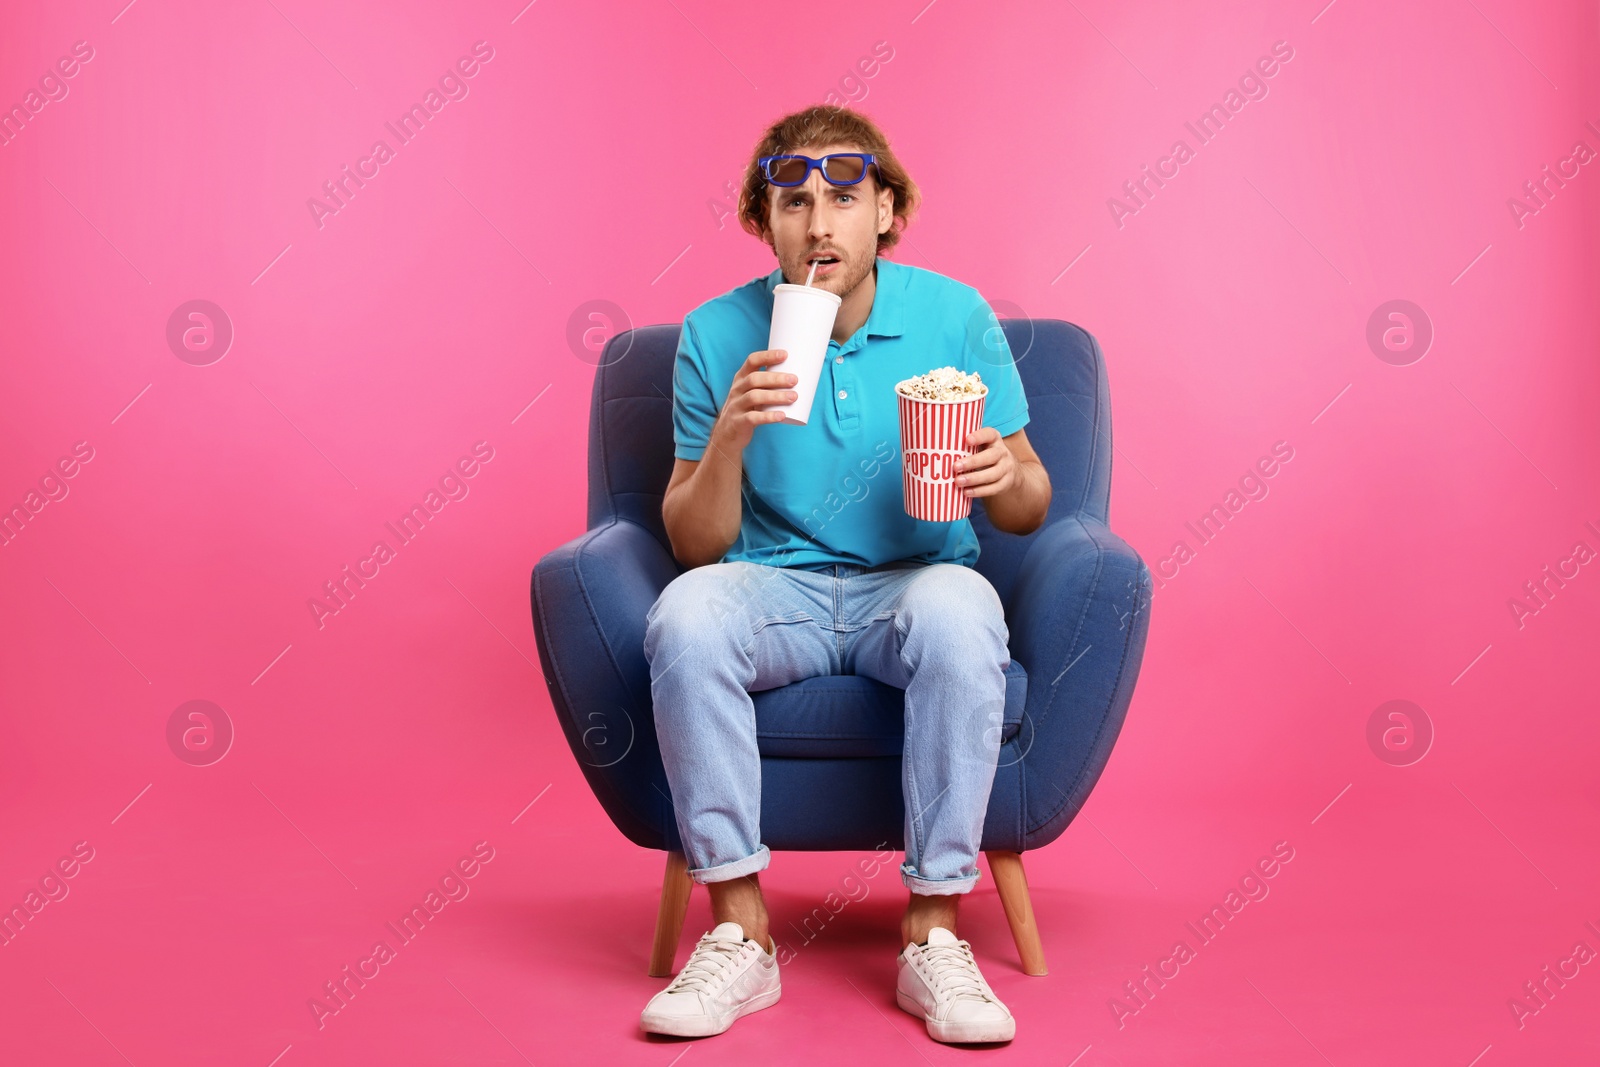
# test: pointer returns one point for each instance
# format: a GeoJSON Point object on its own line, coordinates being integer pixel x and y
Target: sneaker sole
{"type": "Point", "coordinates": [958, 1033]}
{"type": "Point", "coordinates": [706, 1026]}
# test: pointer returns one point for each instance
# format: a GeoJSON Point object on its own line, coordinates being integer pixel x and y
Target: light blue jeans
{"type": "Point", "coordinates": [720, 632]}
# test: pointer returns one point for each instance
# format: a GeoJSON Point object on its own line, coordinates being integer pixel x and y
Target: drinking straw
{"type": "Point", "coordinates": [812, 273]}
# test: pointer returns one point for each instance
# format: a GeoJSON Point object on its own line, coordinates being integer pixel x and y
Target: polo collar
{"type": "Point", "coordinates": [888, 302]}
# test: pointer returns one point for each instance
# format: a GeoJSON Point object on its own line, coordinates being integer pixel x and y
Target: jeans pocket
{"type": "Point", "coordinates": [773, 620]}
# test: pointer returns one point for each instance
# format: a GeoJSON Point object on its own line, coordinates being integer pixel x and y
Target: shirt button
{"type": "Point", "coordinates": [838, 359]}
{"type": "Point", "coordinates": [843, 394]}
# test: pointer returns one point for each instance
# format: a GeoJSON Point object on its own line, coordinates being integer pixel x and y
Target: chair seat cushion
{"type": "Point", "coordinates": [848, 715]}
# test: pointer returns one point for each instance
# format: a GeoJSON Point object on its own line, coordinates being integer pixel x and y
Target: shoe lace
{"type": "Point", "coordinates": [955, 971]}
{"type": "Point", "coordinates": [707, 963]}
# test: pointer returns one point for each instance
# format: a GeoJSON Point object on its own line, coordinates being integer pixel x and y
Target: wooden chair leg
{"type": "Point", "coordinates": [675, 888]}
{"type": "Point", "coordinates": [1012, 882]}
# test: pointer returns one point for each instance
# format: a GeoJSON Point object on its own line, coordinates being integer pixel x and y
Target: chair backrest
{"type": "Point", "coordinates": [1069, 405]}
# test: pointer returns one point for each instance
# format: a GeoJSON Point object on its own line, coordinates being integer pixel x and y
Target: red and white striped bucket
{"type": "Point", "coordinates": [933, 435]}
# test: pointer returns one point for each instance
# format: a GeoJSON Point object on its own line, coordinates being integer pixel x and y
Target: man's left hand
{"type": "Point", "coordinates": [990, 470]}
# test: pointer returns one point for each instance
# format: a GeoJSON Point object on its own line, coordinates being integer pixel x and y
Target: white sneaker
{"type": "Point", "coordinates": [728, 975]}
{"type": "Point", "coordinates": [940, 983]}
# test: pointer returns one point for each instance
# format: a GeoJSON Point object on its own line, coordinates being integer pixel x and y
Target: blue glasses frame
{"type": "Point", "coordinates": [767, 168]}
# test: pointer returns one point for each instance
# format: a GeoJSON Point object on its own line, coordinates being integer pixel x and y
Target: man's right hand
{"type": "Point", "coordinates": [751, 388]}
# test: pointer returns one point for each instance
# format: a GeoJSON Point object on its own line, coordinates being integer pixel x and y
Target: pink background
{"type": "Point", "coordinates": [588, 162]}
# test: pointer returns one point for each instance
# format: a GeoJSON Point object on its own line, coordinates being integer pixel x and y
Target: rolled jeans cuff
{"type": "Point", "coordinates": [935, 887]}
{"type": "Point", "coordinates": [722, 872]}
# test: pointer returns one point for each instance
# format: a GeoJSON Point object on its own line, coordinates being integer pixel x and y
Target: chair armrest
{"type": "Point", "coordinates": [590, 597]}
{"type": "Point", "coordinates": [1079, 617]}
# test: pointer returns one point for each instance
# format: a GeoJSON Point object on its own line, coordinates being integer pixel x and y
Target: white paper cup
{"type": "Point", "coordinates": [802, 324]}
{"type": "Point", "coordinates": [933, 436]}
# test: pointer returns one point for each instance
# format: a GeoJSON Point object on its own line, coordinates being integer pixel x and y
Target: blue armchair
{"type": "Point", "coordinates": [1077, 602]}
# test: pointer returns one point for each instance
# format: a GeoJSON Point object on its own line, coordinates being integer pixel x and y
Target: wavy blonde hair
{"type": "Point", "coordinates": [820, 125]}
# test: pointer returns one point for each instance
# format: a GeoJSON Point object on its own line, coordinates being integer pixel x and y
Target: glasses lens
{"type": "Point", "coordinates": [786, 171]}
{"type": "Point", "coordinates": [844, 170]}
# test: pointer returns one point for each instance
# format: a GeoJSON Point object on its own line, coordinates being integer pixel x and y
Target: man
{"type": "Point", "coordinates": [804, 563]}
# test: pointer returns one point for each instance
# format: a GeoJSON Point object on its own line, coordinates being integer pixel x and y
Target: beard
{"type": "Point", "coordinates": [852, 270]}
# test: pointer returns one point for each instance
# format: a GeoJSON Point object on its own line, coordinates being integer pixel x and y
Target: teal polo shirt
{"type": "Point", "coordinates": [830, 491]}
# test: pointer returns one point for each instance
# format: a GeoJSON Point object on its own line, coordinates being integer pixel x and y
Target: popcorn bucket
{"type": "Point", "coordinates": [933, 436]}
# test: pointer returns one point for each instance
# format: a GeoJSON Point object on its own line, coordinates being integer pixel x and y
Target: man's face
{"type": "Point", "coordinates": [842, 221]}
